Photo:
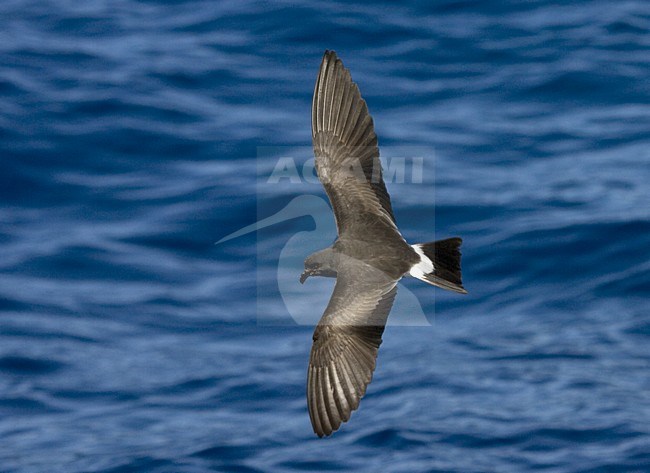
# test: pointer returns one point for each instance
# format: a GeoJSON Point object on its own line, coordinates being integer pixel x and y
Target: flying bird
{"type": "Point", "coordinates": [367, 259]}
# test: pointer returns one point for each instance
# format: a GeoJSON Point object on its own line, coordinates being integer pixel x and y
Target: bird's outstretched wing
{"type": "Point", "coordinates": [346, 341]}
{"type": "Point", "coordinates": [345, 145]}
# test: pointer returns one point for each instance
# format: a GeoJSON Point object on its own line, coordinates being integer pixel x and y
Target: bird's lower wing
{"type": "Point", "coordinates": [345, 347]}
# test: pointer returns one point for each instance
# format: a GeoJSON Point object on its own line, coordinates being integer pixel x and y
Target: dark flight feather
{"type": "Point", "coordinates": [345, 146]}
{"type": "Point", "coordinates": [346, 342]}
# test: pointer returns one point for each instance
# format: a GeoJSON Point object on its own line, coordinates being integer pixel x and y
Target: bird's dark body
{"type": "Point", "coordinates": [393, 257]}
{"type": "Point", "coordinates": [369, 257]}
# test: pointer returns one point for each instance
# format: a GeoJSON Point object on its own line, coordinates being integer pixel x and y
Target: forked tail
{"type": "Point", "coordinates": [440, 264]}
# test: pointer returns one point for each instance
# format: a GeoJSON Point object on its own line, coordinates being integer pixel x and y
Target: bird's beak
{"type": "Point", "coordinates": [303, 277]}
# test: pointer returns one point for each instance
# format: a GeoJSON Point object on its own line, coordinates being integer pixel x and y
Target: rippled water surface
{"type": "Point", "coordinates": [129, 143]}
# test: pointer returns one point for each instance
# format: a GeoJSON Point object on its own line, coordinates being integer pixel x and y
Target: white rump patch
{"type": "Point", "coordinates": [425, 266]}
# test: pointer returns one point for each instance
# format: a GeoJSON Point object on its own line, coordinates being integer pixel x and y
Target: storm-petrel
{"type": "Point", "coordinates": [369, 256]}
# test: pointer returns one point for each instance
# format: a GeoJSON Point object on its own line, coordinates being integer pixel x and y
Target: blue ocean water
{"type": "Point", "coordinates": [130, 135]}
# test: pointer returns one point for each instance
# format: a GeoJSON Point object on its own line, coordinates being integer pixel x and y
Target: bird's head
{"type": "Point", "coordinates": [320, 263]}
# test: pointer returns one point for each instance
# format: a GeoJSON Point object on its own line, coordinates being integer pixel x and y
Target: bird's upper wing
{"type": "Point", "coordinates": [345, 346]}
{"type": "Point", "coordinates": [345, 145]}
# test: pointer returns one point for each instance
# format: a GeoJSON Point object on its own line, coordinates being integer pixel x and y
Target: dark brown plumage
{"type": "Point", "coordinates": [369, 257]}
